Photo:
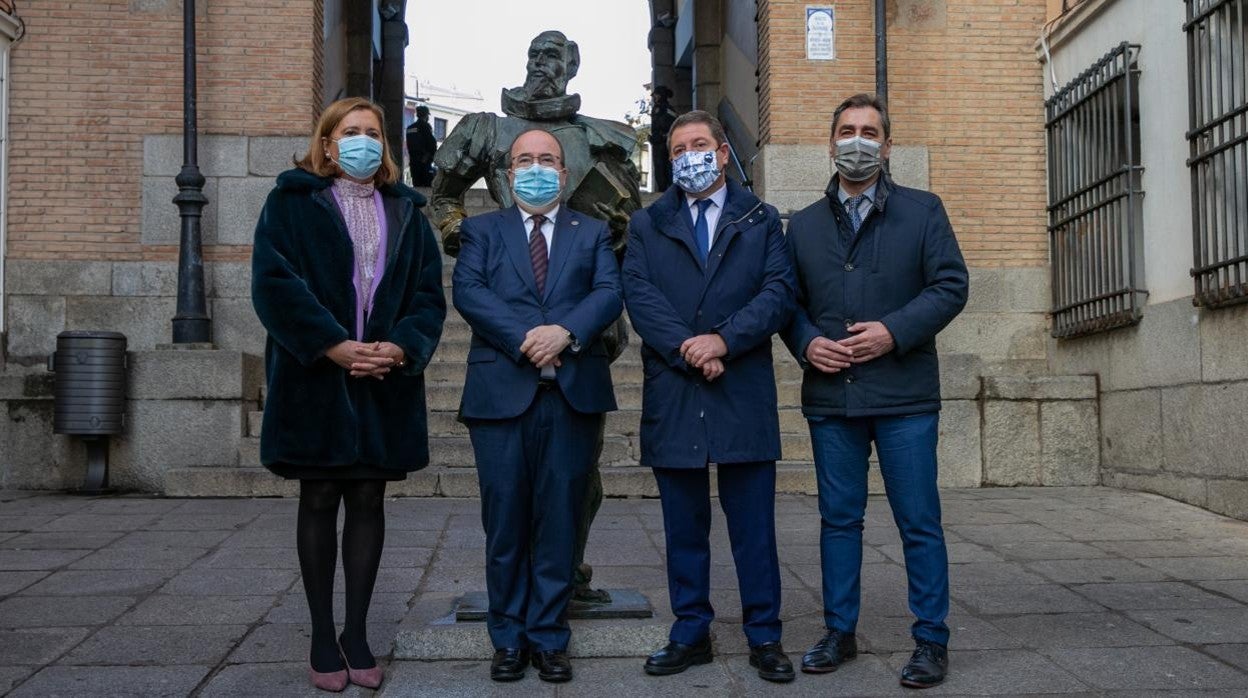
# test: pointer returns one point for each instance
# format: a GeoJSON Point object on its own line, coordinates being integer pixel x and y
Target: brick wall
{"type": "Point", "coordinates": [963, 81]}
{"type": "Point", "coordinates": [91, 79]}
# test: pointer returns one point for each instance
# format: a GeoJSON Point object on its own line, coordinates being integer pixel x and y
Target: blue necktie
{"type": "Point", "coordinates": [854, 204]}
{"type": "Point", "coordinates": [701, 231]}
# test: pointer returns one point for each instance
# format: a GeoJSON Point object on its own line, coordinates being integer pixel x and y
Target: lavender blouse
{"type": "Point", "coordinates": [365, 217]}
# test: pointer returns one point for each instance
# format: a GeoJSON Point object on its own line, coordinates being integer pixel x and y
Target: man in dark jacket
{"type": "Point", "coordinates": [707, 282]}
{"type": "Point", "coordinates": [879, 273]}
{"type": "Point", "coordinates": [421, 145]}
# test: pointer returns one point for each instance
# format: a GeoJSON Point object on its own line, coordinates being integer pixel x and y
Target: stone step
{"type": "Point", "coordinates": [444, 368]}
{"type": "Point", "coordinates": [619, 422]}
{"type": "Point", "coordinates": [792, 477]}
{"type": "Point", "coordinates": [446, 396]}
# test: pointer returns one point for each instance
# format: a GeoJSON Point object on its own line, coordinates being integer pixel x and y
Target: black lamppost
{"type": "Point", "coordinates": [191, 324]}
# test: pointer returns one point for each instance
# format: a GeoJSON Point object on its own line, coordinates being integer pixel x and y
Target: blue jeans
{"type": "Point", "coordinates": [907, 450]}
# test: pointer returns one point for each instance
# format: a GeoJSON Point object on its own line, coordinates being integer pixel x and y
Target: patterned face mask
{"type": "Point", "coordinates": [695, 170]}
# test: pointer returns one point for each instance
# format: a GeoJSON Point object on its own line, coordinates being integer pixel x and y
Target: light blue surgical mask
{"type": "Point", "coordinates": [695, 170]}
{"type": "Point", "coordinates": [359, 156]}
{"type": "Point", "coordinates": [536, 185]}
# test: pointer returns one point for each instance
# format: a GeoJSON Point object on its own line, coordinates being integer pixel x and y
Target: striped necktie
{"type": "Point", "coordinates": [854, 206]}
{"type": "Point", "coordinates": [537, 253]}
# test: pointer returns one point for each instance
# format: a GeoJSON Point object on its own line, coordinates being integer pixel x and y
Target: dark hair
{"type": "Point", "coordinates": [558, 144]}
{"type": "Point", "coordinates": [863, 100]}
{"type": "Point", "coordinates": [697, 116]}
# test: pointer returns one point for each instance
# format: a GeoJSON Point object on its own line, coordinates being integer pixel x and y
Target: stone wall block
{"type": "Point", "coordinates": [909, 165]}
{"type": "Point", "coordinates": [1131, 430]}
{"type": "Point", "coordinates": [959, 449]}
{"type": "Point", "coordinates": [1162, 350]}
{"type": "Point", "coordinates": [269, 156]}
{"type": "Point", "coordinates": [219, 156]}
{"type": "Point", "coordinates": [1011, 443]}
{"type": "Point", "coordinates": [145, 279]}
{"type": "Point", "coordinates": [1203, 427]}
{"type": "Point", "coordinates": [146, 321]}
{"type": "Point", "coordinates": [236, 327]}
{"type": "Point", "coordinates": [160, 223]}
{"type": "Point", "coordinates": [1069, 438]}
{"type": "Point", "coordinates": [230, 279]}
{"type": "Point", "coordinates": [1229, 497]}
{"type": "Point", "coordinates": [1223, 336]}
{"type": "Point", "coordinates": [959, 376]}
{"type": "Point", "coordinates": [33, 323]}
{"type": "Point", "coordinates": [1040, 388]}
{"type": "Point", "coordinates": [238, 209]}
{"type": "Point", "coordinates": [995, 336]}
{"type": "Point", "coordinates": [165, 434]}
{"type": "Point", "coordinates": [162, 155]}
{"type": "Point", "coordinates": [1185, 488]}
{"type": "Point", "coordinates": [194, 375]}
{"type": "Point", "coordinates": [31, 456]}
{"type": "Point", "coordinates": [57, 277]}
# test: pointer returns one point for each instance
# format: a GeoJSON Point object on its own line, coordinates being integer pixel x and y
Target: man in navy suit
{"type": "Point", "coordinates": [707, 282]}
{"type": "Point", "coordinates": [537, 283]}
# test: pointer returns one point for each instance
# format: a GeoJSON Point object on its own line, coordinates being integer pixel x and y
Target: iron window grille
{"type": "Point", "coordinates": [1218, 87]}
{"type": "Point", "coordinates": [1095, 199]}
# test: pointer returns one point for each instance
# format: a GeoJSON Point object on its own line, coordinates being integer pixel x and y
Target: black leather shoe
{"type": "Point", "coordinates": [509, 664]}
{"type": "Point", "coordinates": [927, 666]}
{"type": "Point", "coordinates": [553, 666]}
{"type": "Point", "coordinates": [771, 662]}
{"type": "Point", "coordinates": [676, 657]}
{"type": "Point", "coordinates": [833, 650]}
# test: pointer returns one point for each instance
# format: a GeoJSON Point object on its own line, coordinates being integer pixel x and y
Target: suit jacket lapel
{"type": "Point", "coordinates": [561, 246]}
{"type": "Point", "coordinates": [510, 227]}
{"type": "Point", "coordinates": [735, 206]}
{"type": "Point", "coordinates": [676, 222]}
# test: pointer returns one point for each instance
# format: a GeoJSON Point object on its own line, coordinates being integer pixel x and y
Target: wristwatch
{"type": "Point", "coordinates": [573, 344]}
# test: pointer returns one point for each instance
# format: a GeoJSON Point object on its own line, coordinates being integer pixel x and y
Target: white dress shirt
{"type": "Point", "coordinates": [712, 212]}
{"type": "Point", "coordinates": [548, 228]}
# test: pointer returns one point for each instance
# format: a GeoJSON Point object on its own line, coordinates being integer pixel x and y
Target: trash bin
{"type": "Point", "coordinates": [90, 395]}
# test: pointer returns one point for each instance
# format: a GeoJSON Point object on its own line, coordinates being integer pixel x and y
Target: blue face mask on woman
{"type": "Point", "coordinates": [536, 185]}
{"type": "Point", "coordinates": [695, 170]}
{"type": "Point", "coordinates": [359, 156]}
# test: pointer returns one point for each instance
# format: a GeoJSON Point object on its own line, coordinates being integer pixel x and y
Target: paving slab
{"type": "Point", "coordinates": [1235, 588]}
{"type": "Point", "coordinates": [1153, 596]}
{"type": "Point", "coordinates": [1235, 655]}
{"type": "Point", "coordinates": [19, 560]}
{"type": "Point", "coordinates": [229, 582]}
{"type": "Point", "coordinates": [459, 679]}
{"type": "Point", "coordinates": [68, 540]}
{"type": "Point", "coordinates": [171, 539]}
{"type": "Point", "coordinates": [99, 583]}
{"type": "Point", "coordinates": [61, 611]}
{"type": "Point", "coordinates": [1025, 598]}
{"type": "Point", "coordinates": [139, 559]}
{"type": "Point", "coordinates": [157, 645]}
{"type": "Point", "coordinates": [1200, 568]}
{"type": "Point", "coordinates": [38, 645]}
{"type": "Point", "coordinates": [1090, 571]}
{"type": "Point", "coordinates": [1198, 626]}
{"type": "Point", "coordinates": [1167, 667]}
{"type": "Point", "coordinates": [163, 609]}
{"type": "Point", "coordinates": [250, 558]}
{"type": "Point", "coordinates": [98, 522]}
{"type": "Point", "coordinates": [11, 675]}
{"type": "Point", "coordinates": [113, 681]}
{"type": "Point", "coordinates": [1079, 630]}
{"type": "Point", "coordinates": [289, 642]}
{"type": "Point", "coordinates": [13, 582]}
{"type": "Point", "coordinates": [1048, 550]}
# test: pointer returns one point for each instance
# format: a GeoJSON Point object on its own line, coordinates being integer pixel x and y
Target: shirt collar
{"type": "Point", "coordinates": [550, 215]}
{"type": "Point", "coordinates": [719, 197]}
{"type": "Point", "coordinates": [869, 192]}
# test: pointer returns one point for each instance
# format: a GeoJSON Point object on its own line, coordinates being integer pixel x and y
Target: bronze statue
{"type": "Point", "coordinates": [602, 182]}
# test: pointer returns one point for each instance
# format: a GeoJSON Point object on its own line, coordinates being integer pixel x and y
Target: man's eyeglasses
{"type": "Point", "coordinates": [521, 162]}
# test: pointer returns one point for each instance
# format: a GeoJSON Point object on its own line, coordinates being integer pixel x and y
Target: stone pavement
{"type": "Point", "coordinates": [1055, 591]}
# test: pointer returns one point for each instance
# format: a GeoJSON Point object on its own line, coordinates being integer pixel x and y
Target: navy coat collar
{"type": "Point", "coordinates": [671, 213]}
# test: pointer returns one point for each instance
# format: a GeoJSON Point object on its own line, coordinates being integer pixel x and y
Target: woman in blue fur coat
{"type": "Point", "coordinates": [347, 279]}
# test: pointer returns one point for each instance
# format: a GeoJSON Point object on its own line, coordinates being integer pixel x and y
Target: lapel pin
{"type": "Point", "coordinates": [576, 222]}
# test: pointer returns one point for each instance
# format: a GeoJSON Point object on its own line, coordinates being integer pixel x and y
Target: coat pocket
{"type": "Point", "coordinates": [478, 355]}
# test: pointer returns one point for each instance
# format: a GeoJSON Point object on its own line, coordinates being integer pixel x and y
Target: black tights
{"type": "Point", "coordinates": [363, 533]}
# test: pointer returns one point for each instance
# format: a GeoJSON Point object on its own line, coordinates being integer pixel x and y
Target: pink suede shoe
{"type": "Point", "coordinates": [333, 681]}
{"type": "Point", "coordinates": [364, 678]}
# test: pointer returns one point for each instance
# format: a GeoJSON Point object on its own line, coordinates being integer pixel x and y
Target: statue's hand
{"type": "Point", "coordinates": [617, 221]}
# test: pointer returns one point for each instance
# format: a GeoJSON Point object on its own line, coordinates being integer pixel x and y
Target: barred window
{"type": "Point", "coordinates": [1095, 199]}
{"type": "Point", "coordinates": [1218, 89]}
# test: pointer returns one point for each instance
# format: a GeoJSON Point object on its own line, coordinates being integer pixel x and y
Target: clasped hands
{"type": "Point", "coordinates": [366, 359]}
{"type": "Point", "coordinates": [543, 345]}
{"type": "Point", "coordinates": [705, 352]}
{"type": "Point", "coordinates": [867, 341]}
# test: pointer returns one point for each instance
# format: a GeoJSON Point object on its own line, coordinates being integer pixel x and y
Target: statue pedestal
{"type": "Point", "coordinates": [625, 603]}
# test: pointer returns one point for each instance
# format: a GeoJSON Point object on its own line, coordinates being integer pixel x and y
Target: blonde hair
{"type": "Point", "coordinates": [316, 162]}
